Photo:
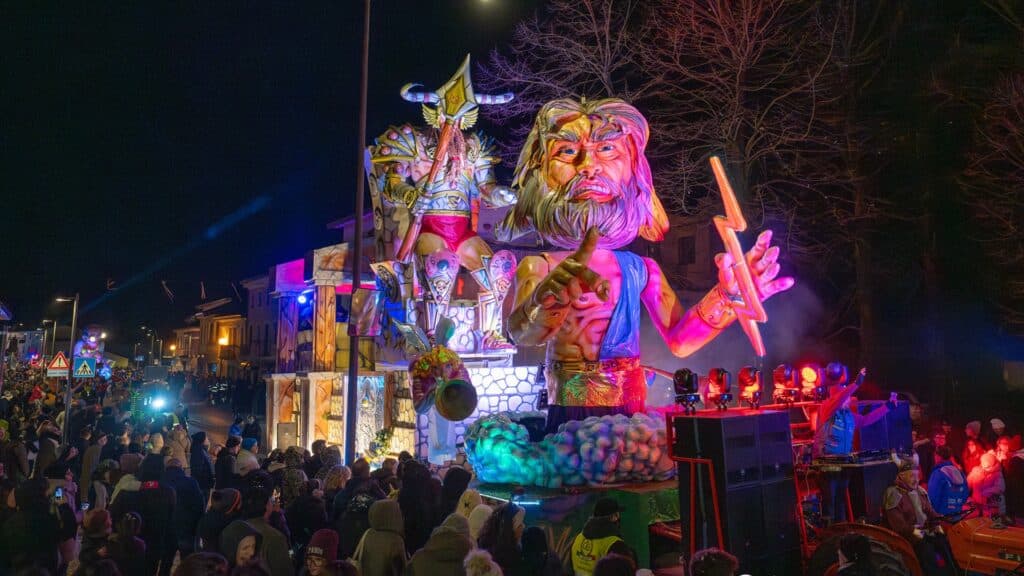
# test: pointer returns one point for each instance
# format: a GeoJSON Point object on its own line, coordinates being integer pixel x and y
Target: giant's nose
{"type": "Point", "coordinates": [588, 168]}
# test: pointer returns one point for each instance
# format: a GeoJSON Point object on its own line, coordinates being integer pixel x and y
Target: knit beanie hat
{"type": "Point", "coordinates": [324, 543]}
{"type": "Point", "coordinates": [457, 523]}
{"type": "Point", "coordinates": [248, 443]}
{"type": "Point", "coordinates": [973, 426]}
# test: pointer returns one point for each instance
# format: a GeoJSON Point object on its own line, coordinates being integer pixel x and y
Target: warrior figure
{"type": "Point", "coordinates": [439, 175]}
{"type": "Point", "coordinates": [584, 185]}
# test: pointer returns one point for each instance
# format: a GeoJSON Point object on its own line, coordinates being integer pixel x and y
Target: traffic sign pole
{"type": "Point", "coordinates": [66, 428]}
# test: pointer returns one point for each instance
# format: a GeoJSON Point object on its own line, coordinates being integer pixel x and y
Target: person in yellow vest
{"type": "Point", "coordinates": [600, 536]}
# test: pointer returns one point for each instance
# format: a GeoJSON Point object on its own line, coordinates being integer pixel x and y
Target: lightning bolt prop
{"type": "Point", "coordinates": [750, 311]}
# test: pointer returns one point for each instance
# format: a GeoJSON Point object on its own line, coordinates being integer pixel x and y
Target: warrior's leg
{"type": "Point", "coordinates": [489, 271]}
{"type": "Point", "coordinates": [439, 268]}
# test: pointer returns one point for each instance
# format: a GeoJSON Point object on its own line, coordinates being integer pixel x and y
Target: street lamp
{"type": "Point", "coordinates": [71, 355]}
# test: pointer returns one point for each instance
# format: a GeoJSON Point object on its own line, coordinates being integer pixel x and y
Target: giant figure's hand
{"type": "Point", "coordinates": [764, 267]}
{"type": "Point", "coordinates": [572, 277]}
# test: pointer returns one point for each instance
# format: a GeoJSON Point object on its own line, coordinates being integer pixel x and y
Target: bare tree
{"type": "Point", "coordinates": [992, 183]}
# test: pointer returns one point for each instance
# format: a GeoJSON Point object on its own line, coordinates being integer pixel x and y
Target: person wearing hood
{"type": "Point", "coordinates": [331, 457]}
{"type": "Point", "coordinates": [455, 483]}
{"type": "Point", "coordinates": [201, 465]}
{"type": "Point", "coordinates": [154, 503]}
{"type": "Point", "coordinates": [987, 485]}
{"type": "Point", "coordinates": [419, 505]}
{"type": "Point", "coordinates": [188, 510]}
{"type": "Point", "coordinates": [240, 544]}
{"type": "Point", "coordinates": [225, 466]}
{"type": "Point", "coordinates": [947, 486]}
{"type": "Point", "coordinates": [477, 518]}
{"type": "Point", "coordinates": [49, 439]}
{"type": "Point", "coordinates": [601, 535]}
{"type": "Point", "coordinates": [381, 552]}
{"type": "Point", "coordinates": [469, 500]}
{"type": "Point", "coordinates": [246, 460]}
{"type": "Point", "coordinates": [128, 482]}
{"type": "Point", "coordinates": [125, 546]}
{"type": "Point", "coordinates": [293, 479]}
{"type": "Point", "coordinates": [225, 506]}
{"type": "Point", "coordinates": [99, 490]}
{"type": "Point", "coordinates": [181, 445]}
{"type": "Point", "coordinates": [445, 551]}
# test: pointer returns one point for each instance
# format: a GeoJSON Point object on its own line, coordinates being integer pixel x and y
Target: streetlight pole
{"type": "Point", "coordinates": [66, 428]}
{"type": "Point", "coordinates": [46, 350]}
{"type": "Point", "coordinates": [352, 391]}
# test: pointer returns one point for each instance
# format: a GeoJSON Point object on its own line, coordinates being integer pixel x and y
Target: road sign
{"type": "Point", "coordinates": [58, 367]}
{"type": "Point", "coordinates": [84, 367]}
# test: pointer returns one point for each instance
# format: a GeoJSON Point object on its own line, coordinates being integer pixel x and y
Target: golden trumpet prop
{"type": "Point", "coordinates": [750, 311]}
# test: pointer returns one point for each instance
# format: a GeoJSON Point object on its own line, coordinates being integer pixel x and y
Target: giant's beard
{"type": "Point", "coordinates": [563, 222]}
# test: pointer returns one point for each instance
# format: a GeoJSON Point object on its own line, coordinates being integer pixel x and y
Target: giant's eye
{"type": "Point", "coordinates": [567, 152]}
{"type": "Point", "coordinates": [606, 148]}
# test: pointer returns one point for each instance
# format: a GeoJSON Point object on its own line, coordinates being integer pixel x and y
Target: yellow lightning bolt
{"type": "Point", "coordinates": [750, 311]}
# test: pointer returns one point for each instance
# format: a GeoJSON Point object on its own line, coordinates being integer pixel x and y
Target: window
{"type": "Point", "coordinates": [687, 250]}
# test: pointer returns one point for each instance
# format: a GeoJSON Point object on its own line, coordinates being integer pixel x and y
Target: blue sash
{"type": "Point", "coordinates": [622, 340]}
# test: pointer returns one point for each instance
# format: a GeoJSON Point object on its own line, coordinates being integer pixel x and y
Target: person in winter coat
{"type": "Point", "coordinates": [154, 503]}
{"type": "Point", "coordinates": [181, 445]}
{"type": "Point", "coordinates": [480, 563]}
{"type": "Point", "coordinates": [331, 457]}
{"type": "Point", "coordinates": [445, 551]}
{"type": "Point", "coordinates": [188, 509]}
{"type": "Point", "coordinates": [314, 463]}
{"type": "Point", "coordinates": [49, 439]}
{"type": "Point", "coordinates": [225, 507]}
{"type": "Point", "coordinates": [246, 461]}
{"type": "Point", "coordinates": [129, 480]}
{"type": "Point", "coordinates": [100, 490]}
{"type": "Point", "coordinates": [382, 549]}
{"type": "Point", "coordinates": [240, 543]}
{"type": "Point", "coordinates": [224, 470]}
{"type": "Point", "coordinates": [469, 500]}
{"type": "Point", "coordinates": [987, 485]}
{"type": "Point", "coordinates": [16, 457]}
{"type": "Point", "coordinates": [972, 455]}
{"type": "Point", "coordinates": [90, 460]}
{"type": "Point", "coordinates": [947, 486]}
{"type": "Point", "coordinates": [501, 536]}
{"type": "Point", "coordinates": [201, 465]}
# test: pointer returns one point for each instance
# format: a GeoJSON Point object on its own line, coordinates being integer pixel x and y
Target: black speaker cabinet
{"type": "Point", "coordinates": [750, 452]}
{"type": "Point", "coordinates": [867, 488]}
{"type": "Point", "coordinates": [892, 432]}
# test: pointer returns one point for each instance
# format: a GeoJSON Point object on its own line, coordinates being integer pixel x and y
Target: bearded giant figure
{"type": "Point", "coordinates": [584, 185]}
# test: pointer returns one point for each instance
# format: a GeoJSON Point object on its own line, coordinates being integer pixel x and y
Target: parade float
{"type": "Point", "coordinates": [521, 357]}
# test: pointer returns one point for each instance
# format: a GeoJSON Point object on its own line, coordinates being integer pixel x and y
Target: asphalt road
{"type": "Point", "coordinates": [214, 420]}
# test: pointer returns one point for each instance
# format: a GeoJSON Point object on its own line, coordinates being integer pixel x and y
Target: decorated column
{"type": "Point", "coordinates": [287, 329]}
{"type": "Point", "coordinates": [324, 313]}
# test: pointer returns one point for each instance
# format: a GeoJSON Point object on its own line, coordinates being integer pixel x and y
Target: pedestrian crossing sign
{"type": "Point", "coordinates": [84, 367]}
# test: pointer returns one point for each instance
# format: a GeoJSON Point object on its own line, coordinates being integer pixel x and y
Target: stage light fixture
{"type": "Point", "coordinates": [836, 374]}
{"type": "Point", "coordinates": [750, 386]}
{"type": "Point", "coordinates": [812, 382]}
{"type": "Point", "coordinates": [302, 299]}
{"type": "Point", "coordinates": [686, 384]}
{"type": "Point", "coordinates": [719, 387]}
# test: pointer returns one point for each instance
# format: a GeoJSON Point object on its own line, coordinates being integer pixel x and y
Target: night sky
{"type": "Point", "coordinates": [197, 142]}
